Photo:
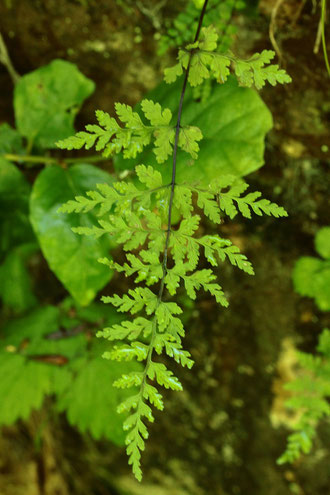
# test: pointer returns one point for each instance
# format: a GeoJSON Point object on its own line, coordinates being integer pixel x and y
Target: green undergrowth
{"type": "Point", "coordinates": [174, 172]}
{"type": "Point", "coordinates": [161, 252]}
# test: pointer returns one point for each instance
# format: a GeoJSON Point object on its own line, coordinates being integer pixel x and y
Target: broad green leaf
{"type": "Point", "coordinates": [198, 3]}
{"type": "Point", "coordinates": [72, 258]}
{"type": "Point", "coordinates": [324, 343]}
{"type": "Point", "coordinates": [83, 385]}
{"type": "Point", "coordinates": [322, 289]}
{"type": "Point", "coordinates": [33, 330]}
{"type": "Point", "coordinates": [18, 397]}
{"type": "Point", "coordinates": [91, 401]}
{"type": "Point", "coordinates": [15, 227]}
{"type": "Point", "coordinates": [47, 100]}
{"type": "Point", "coordinates": [303, 274]}
{"type": "Point", "coordinates": [234, 122]}
{"type": "Point", "coordinates": [322, 242]}
{"type": "Point", "coordinates": [10, 140]}
{"type": "Point", "coordinates": [25, 381]}
{"type": "Point", "coordinates": [311, 277]}
{"type": "Point", "coordinates": [15, 281]}
{"type": "Point", "coordinates": [33, 326]}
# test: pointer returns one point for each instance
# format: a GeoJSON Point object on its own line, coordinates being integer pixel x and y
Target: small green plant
{"type": "Point", "coordinates": [48, 353]}
{"type": "Point", "coordinates": [160, 250]}
{"type": "Point", "coordinates": [311, 276]}
{"type": "Point", "coordinates": [53, 346]}
{"type": "Point", "coordinates": [311, 393]}
{"type": "Point", "coordinates": [311, 390]}
{"type": "Point", "coordinates": [47, 349]}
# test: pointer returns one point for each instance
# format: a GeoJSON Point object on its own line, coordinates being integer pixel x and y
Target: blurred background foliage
{"type": "Point", "coordinates": [60, 432]}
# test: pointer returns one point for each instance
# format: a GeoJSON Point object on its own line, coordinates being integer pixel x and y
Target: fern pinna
{"type": "Point", "coordinates": [159, 251]}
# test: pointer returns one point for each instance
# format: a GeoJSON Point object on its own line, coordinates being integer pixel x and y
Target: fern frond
{"type": "Point", "coordinates": [134, 216]}
{"type": "Point", "coordinates": [311, 393]}
{"type": "Point", "coordinates": [133, 135]}
{"type": "Point", "coordinates": [226, 195]}
{"type": "Point", "coordinates": [205, 61]}
{"type": "Point", "coordinates": [248, 203]}
{"type": "Point", "coordinates": [119, 196]}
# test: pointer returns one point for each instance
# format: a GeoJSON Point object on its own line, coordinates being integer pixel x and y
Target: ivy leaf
{"type": "Point", "coordinates": [72, 258]}
{"type": "Point", "coordinates": [47, 100]}
{"type": "Point", "coordinates": [234, 121]}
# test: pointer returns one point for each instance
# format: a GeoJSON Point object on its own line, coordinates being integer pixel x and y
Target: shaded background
{"type": "Point", "coordinates": [223, 434]}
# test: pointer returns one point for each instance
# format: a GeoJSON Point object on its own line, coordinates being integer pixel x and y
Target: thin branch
{"type": "Point", "coordinates": [272, 27]}
{"type": "Point", "coordinates": [5, 60]}
{"type": "Point", "coordinates": [318, 37]}
{"type": "Point", "coordinates": [323, 15]}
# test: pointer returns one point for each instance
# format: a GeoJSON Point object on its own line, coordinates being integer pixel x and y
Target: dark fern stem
{"type": "Point", "coordinates": [176, 142]}
{"type": "Point", "coordinates": [172, 185]}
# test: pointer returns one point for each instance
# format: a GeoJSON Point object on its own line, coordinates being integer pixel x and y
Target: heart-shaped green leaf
{"type": "Point", "coordinates": [72, 258]}
{"type": "Point", "coordinates": [15, 226]}
{"type": "Point", "coordinates": [47, 100]}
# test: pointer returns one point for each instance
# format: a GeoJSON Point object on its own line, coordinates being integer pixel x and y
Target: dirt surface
{"type": "Point", "coordinates": [217, 437]}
